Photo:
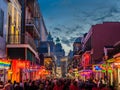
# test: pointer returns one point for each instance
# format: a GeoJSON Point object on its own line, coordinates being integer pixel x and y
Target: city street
{"type": "Point", "coordinates": [59, 45]}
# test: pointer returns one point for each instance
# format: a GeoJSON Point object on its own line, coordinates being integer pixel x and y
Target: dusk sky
{"type": "Point", "coordinates": [69, 19]}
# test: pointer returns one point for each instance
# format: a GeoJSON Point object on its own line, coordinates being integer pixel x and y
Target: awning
{"type": "Point", "coordinates": [117, 60]}
{"type": "Point", "coordinates": [113, 60]}
{"type": "Point", "coordinates": [110, 60]}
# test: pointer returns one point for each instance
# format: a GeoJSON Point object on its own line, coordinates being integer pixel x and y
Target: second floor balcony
{"type": "Point", "coordinates": [33, 27]}
{"type": "Point", "coordinates": [15, 39]}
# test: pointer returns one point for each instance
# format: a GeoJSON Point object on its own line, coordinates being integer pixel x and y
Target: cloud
{"type": "Point", "coordinates": [67, 48]}
{"type": "Point", "coordinates": [65, 41]}
{"type": "Point", "coordinates": [70, 19]}
{"type": "Point", "coordinates": [57, 29]}
{"type": "Point", "coordinates": [72, 39]}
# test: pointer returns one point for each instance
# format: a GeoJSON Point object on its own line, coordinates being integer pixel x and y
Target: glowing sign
{"type": "Point", "coordinates": [102, 68]}
{"type": "Point", "coordinates": [23, 64]}
{"type": "Point", "coordinates": [86, 59]}
{"type": "Point", "coordinates": [86, 72]}
{"type": "Point", "coordinates": [97, 68]}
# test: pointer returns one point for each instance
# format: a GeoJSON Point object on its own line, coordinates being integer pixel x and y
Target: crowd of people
{"type": "Point", "coordinates": [56, 84]}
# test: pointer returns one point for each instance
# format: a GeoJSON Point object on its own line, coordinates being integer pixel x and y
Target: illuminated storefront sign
{"type": "Point", "coordinates": [86, 59]}
{"type": "Point", "coordinates": [23, 64]}
{"type": "Point", "coordinates": [107, 67]}
{"type": "Point", "coordinates": [102, 68]}
{"type": "Point", "coordinates": [5, 64]}
{"type": "Point", "coordinates": [86, 72]}
{"type": "Point", "coordinates": [97, 68]}
{"type": "Point", "coordinates": [20, 64]}
{"type": "Point", "coordinates": [48, 62]}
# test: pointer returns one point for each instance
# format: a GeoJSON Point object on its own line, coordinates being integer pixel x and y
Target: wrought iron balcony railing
{"type": "Point", "coordinates": [34, 22]}
{"type": "Point", "coordinates": [16, 39]}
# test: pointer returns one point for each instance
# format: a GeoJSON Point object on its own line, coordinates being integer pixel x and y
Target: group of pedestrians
{"type": "Point", "coordinates": [56, 84]}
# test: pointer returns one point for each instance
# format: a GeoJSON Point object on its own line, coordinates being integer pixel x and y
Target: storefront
{"type": "Point", "coordinates": [116, 73]}
{"type": "Point", "coordinates": [4, 67]}
{"type": "Point", "coordinates": [19, 70]}
{"type": "Point", "coordinates": [85, 74]}
{"type": "Point", "coordinates": [43, 73]}
{"type": "Point", "coordinates": [114, 70]}
{"type": "Point", "coordinates": [97, 71]}
{"type": "Point", "coordinates": [104, 71]}
{"type": "Point", "coordinates": [34, 72]}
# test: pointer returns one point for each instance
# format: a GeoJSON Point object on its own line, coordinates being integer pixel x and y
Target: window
{"type": "Point", "coordinates": [1, 22]}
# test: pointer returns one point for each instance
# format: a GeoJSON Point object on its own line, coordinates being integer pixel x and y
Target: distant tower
{"type": "Point", "coordinates": [57, 40]}
{"type": "Point", "coordinates": [58, 45]}
{"type": "Point", "coordinates": [59, 51]}
{"type": "Point", "coordinates": [49, 38]}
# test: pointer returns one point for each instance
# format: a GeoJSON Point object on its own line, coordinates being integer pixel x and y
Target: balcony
{"type": "Point", "coordinates": [14, 39]}
{"type": "Point", "coordinates": [29, 40]}
{"type": "Point", "coordinates": [33, 27]}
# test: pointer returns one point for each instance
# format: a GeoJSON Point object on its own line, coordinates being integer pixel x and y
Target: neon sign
{"type": "Point", "coordinates": [86, 59]}
{"type": "Point", "coordinates": [102, 68]}
{"type": "Point", "coordinates": [86, 73]}
{"type": "Point", "coordinates": [97, 68]}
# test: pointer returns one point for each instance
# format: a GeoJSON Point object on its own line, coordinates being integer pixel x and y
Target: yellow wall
{"type": "Point", "coordinates": [15, 11]}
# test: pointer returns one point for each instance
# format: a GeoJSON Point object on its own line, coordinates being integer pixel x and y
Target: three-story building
{"type": "Point", "coordinates": [23, 37]}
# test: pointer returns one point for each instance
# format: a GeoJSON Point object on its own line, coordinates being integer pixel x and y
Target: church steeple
{"type": "Point", "coordinates": [49, 38]}
{"type": "Point", "coordinates": [57, 40]}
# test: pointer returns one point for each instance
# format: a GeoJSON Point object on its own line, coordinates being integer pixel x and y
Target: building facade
{"type": "Point", "coordinates": [43, 30]}
{"type": "Point", "coordinates": [100, 35]}
{"type": "Point", "coordinates": [113, 64]}
{"type": "Point", "coordinates": [3, 27]}
{"type": "Point", "coordinates": [3, 39]}
{"type": "Point", "coordinates": [47, 50]}
{"type": "Point", "coordinates": [59, 52]}
{"type": "Point", "coordinates": [23, 37]}
{"type": "Point", "coordinates": [64, 64]}
{"type": "Point", "coordinates": [98, 38]}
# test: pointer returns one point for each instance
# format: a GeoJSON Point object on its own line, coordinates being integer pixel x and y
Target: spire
{"type": "Point", "coordinates": [57, 40]}
{"type": "Point", "coordinates": [49, 38]}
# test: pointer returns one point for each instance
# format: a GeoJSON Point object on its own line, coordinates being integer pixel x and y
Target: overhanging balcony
{"type": "Point", "coordinates": [33, 27]}
{"type": "Point", "coordinates": [14, 39]}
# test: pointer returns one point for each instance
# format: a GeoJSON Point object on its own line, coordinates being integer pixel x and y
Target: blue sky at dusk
{"type": "Point", "coordinates": [69, 19]}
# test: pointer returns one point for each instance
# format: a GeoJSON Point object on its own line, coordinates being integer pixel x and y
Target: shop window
{"type": "Point", "coordinates": [1, 22]}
